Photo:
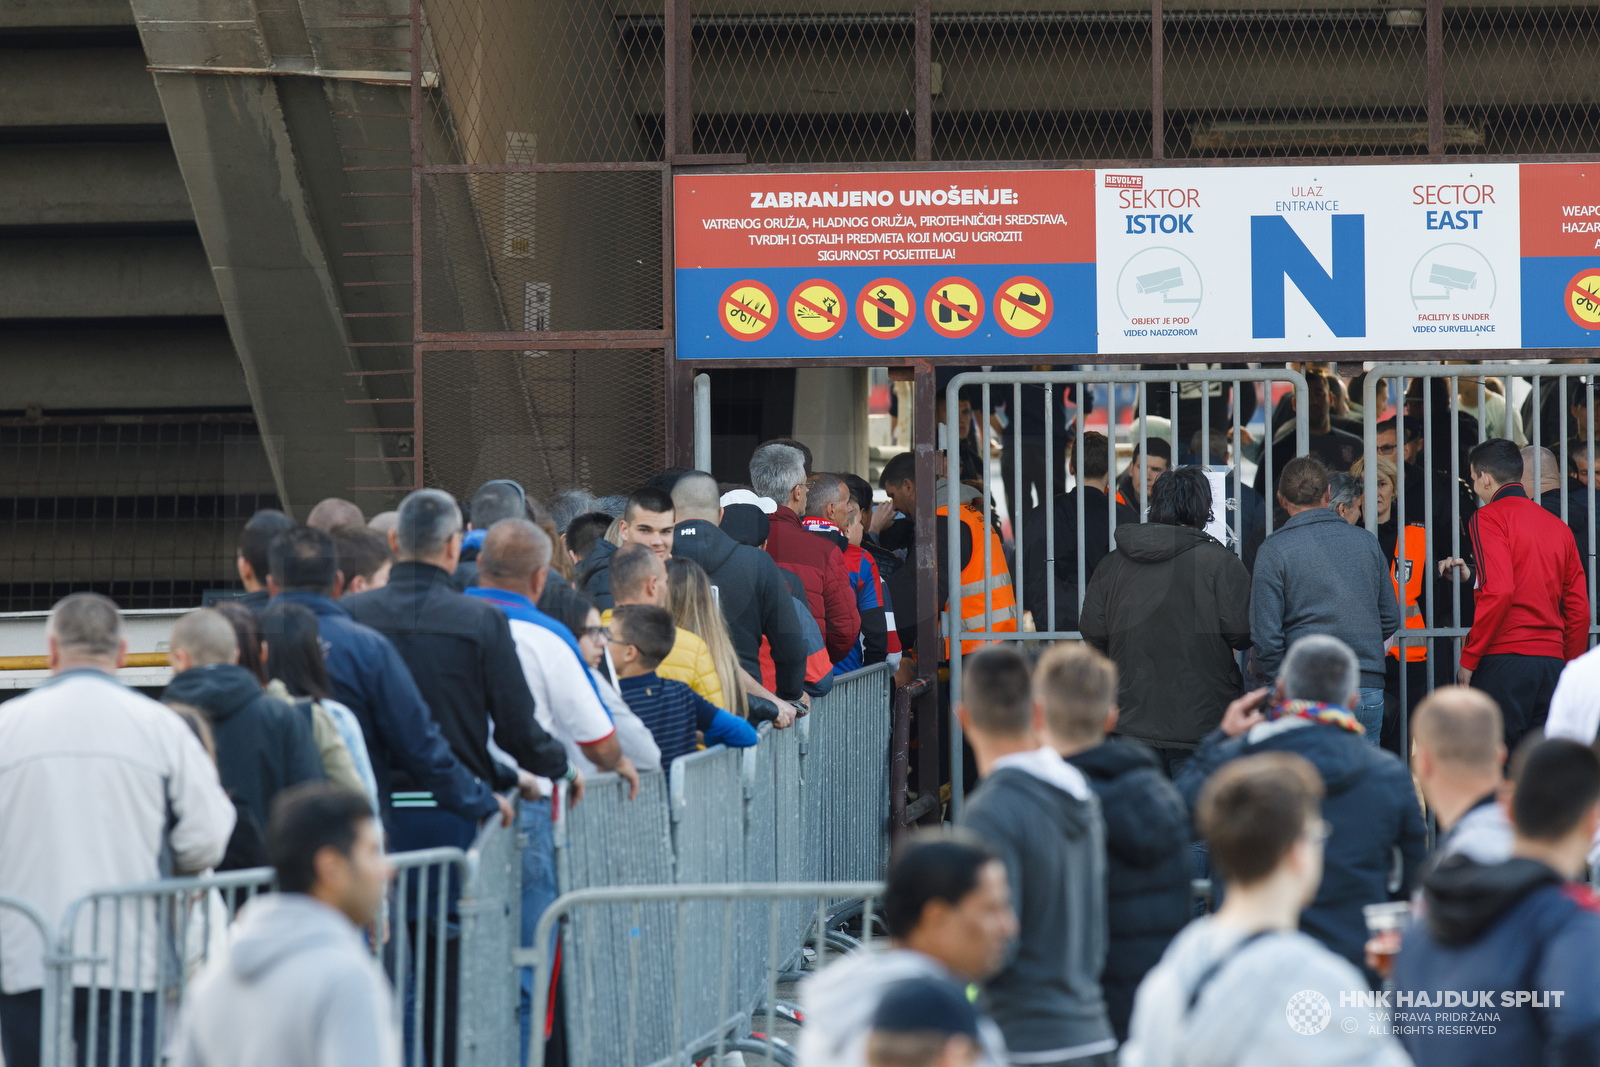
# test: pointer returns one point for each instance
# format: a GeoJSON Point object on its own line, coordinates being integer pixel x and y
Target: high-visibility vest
{"type": "Point", "coordinates": [1409, 569]}
{"type": "Point", "coordinates": [1002, 601]}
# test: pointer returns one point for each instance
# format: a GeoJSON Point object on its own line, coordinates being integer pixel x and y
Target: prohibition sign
{"type": "Point", "coordinates": [1582, 298]}
{"type": "Point", "coordinates": [748, 310]}
{"type": "Point", "coordinates": [1023, 306]}
{"type": "Point", "coordinates": [954, 307]}
{"type": "Point", "coordinates": [884, 308]}
{"type": "Point", "coordinates": [816, 309]}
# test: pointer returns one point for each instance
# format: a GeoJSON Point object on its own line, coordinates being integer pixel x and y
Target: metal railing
{"type": "Point", "coordinates": [703, 954]}
{"type": "Point", "coordinates": [798, 807]}
{"type": "Point", "coordinates": [1143, 426]}
{"type": "Point", "coordinates": [1566, 384]}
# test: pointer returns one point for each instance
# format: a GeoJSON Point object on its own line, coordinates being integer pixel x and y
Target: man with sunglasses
{"type": "Point", "coordinates": [1370, 802]}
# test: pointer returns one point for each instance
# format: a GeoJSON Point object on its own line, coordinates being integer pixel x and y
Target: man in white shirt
{"type": "Point", "coordinates": [98, 785]}
{"type": "Point", "coordinates": [512, 566]}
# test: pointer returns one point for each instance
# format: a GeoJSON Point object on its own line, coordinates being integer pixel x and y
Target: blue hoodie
{"type": "Point", "coordinates": [1492, 931]}
{"type": "Point", "coordinates": [1370, 802]}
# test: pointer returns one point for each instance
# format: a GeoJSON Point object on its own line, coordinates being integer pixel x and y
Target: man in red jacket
{"type": "Point", "coordinates": [1531, 598]}
{"type": "Point", "coordinates": [778, 471]}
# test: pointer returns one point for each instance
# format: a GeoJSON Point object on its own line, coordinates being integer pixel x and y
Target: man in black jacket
{"type": "Point", "coordinates": [1095, 469]}
{"type": "Point", "coordinates": [647, 519]}
{"type": "Point", "coordinates": [1147, 824]}
{"type": "Point", "coordinates": [460, 653]}
{"type": "Point", "coordinates": [263, 745]}
{"type": "Point", "coordinates": [1169, 607]}
{"type": "Point", "coordinates": [754, 599]}
{"type": "Point", "coordinates": [253, 564]}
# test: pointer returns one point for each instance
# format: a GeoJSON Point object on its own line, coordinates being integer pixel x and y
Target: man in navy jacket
{"type": "Point", "coordinates": [1370, 801]}
{"type": "Point", "coordinates": [1519, 934]}
{"type": "Point", "coordinates": [369, 677]}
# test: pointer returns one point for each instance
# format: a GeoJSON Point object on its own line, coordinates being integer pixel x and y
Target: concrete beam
{"type": "Point", "coordinates": [55, 87]}
{"type": "Point", "coordinates": [110, 183]}
{"type": "Point", "coordinates": [246, 181]}
{"type": "Point", "coordinates": [71, 277]}
{"type": "Point", "coordinates": [155, 364]}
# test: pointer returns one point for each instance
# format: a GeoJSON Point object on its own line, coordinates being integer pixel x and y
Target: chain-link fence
{"type": "Point", "coordinates": [549, 419]}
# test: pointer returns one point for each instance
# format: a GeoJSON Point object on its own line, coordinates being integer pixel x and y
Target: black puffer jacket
{"type": "Point", "coordinates": [1147, 865]}
{"type": "Point", "coordinates": [1169, 606]}
{"type": "Point", "coordinates": [263, 745]}
{"type": "Point", "coordinates": [594, 574]}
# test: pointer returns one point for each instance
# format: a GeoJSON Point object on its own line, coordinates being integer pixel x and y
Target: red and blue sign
{"type": "Point", "coordinates": [932, 263]}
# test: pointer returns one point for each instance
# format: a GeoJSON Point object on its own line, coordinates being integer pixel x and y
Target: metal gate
{"type": "Point", "coordinates": [1142, 426]}
{"type": "Point", "coordinates": [1447, 624]}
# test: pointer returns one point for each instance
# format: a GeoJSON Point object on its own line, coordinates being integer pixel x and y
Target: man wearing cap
{"type": "Point", "coordinates": [755, 601]}
{"type": "Point", "coordinates": [924, 1022]}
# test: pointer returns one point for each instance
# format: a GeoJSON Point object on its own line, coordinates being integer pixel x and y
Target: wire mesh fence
{"type": "Point", "coordinates": [549, 419]}
{"type": "Point", "coordinates": [1515, 77]}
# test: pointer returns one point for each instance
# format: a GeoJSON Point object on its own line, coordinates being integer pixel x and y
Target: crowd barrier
{"type": "Point", "coordinates": [710, 996]}
{"type": "Point", "coordinates": [809, 804]}
{"type": "Point", "coordinates": [684, 948]}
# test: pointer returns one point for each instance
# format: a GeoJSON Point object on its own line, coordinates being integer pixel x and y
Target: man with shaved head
{"type": "Point", "coordinates": [1548, 493]}
{"type": "Point", "coordinates": [263, 745]}
{"type": "Point", "coordinates": [332, 513]}
{"type": "Point", "coordinates": [1457, 760]}
{"type": "Point", "coordinates": [513, 563]}
{"type": "Point", "coordinates": [755, 601]}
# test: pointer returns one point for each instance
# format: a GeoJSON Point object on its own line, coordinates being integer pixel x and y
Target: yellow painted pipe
{"type": "Point", "coordinates": [40, 663]}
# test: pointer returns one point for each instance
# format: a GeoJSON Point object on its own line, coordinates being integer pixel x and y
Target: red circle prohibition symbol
{"type": "Point", "coordinates": [954, 308]}
{"type": "Point", "coordinates": [815, 310]}
{"type": "Point", "coordinates": [1583, 305]}
{"type": "Point", "coordinates": [884, 308]}
{"type": "Point", "coordinates": [744, 318]}
{"type": "Point", "coordinates": [1013, 313]}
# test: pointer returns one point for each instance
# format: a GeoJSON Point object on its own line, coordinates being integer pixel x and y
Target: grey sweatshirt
{"type": "Point", "coordinates": [1272, 1003]}
{"type": "Point", "coordinates": [1038, 812]}
{"type": "Point", "coordinates": [297, 986]}
{"type": "Point", "coordinates": [1319, 575]}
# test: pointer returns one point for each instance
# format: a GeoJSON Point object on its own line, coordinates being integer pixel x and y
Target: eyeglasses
{"type": "Point", "coordinates": [592, 632]}
{"type": "Point", "coordinates": [1318, 831]}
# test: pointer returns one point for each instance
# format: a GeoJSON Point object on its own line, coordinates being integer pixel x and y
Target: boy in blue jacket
{"type": "Point", "coordinates": [1520, 935]}
{"type": "Point", "coordinates": [641, 637]}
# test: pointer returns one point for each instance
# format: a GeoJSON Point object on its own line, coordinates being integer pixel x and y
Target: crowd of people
{"type": "Point", "coordinates": [385, 684]}
{"type": "Point", "coordinates": [1061, 901]}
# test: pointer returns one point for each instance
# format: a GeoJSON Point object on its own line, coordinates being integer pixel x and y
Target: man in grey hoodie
{"type": "Point", "coordinates": [297, 984]}
{"type": "Point", "coordinates": [1040, 815]}
{"type": "Point", "coordinates": [1243, 987]}
{"type": "Point", "coordinates": [1319, 575]}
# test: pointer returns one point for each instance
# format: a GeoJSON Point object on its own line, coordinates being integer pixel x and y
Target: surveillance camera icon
{"type": "Point", "coordinates": [1451, 278]}
{"type": "Point", "coordinates": [1163, 282]}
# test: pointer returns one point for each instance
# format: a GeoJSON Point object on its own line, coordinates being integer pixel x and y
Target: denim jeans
{"type": "Point", "coordinates": [538, 893]}
{"type": "Point", "coordinates": [20, 1022]}
{"type": "Point", "coordinates": [1369, 710]}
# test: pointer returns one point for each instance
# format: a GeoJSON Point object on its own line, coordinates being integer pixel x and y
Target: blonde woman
{"type": "Point", "coordinates": [696, 610]}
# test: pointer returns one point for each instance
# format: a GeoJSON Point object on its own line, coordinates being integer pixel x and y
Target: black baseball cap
{"type": "Point", "coordinates": [926, 1004]}
{"type": "Point", "coordinates": [746, 524]}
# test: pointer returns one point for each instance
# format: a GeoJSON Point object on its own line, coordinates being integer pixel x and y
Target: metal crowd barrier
{"type": "Point", "coordinates": [1141, 430]}
{"type": "Point", "coordinates": [1567, 384]}
{"type": "Point", "coordinates": [700, 993]}
{"type": "Point", "coordinates": [804, 805]}
{"type": "Point", "coordinates": [119, 965]}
